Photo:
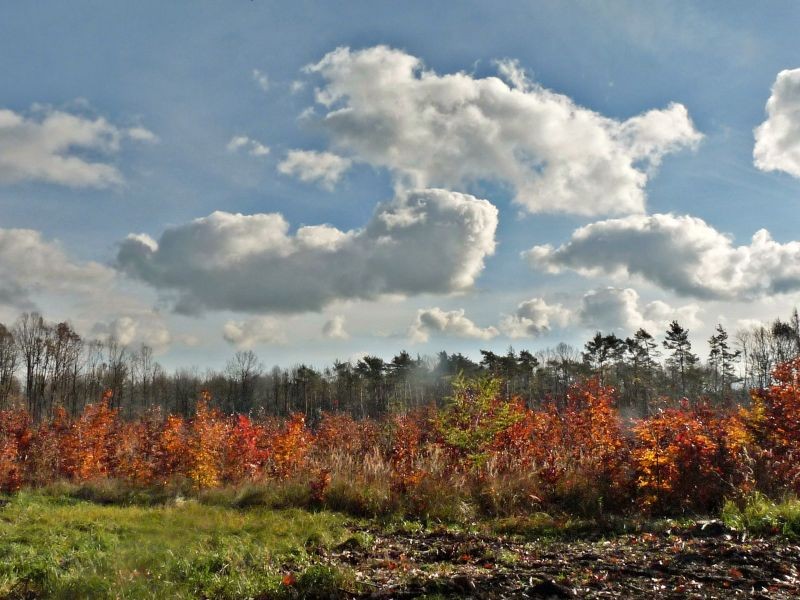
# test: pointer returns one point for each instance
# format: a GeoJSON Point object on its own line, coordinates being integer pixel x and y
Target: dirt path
{"type": "Point", "coordinates": [693, 563]}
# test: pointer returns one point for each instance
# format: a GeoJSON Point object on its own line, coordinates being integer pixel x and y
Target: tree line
{"type": "Point", "coordinates": [44, 365]}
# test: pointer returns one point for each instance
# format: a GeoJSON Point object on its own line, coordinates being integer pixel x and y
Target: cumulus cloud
{"type": "Point", "coordinates": [130, 330]}
{"type": "Point", "coordinates": [777, 146]}
{"type": "Point", "coordinates": [449, 323]}
{"type": "Point", "coordinates": [381, 106]}
{"type": "Point", "coordinates": [425, 241]}
{"type": "Point", "coordinates": [679, 253]}
{"type": "Point", "coordinates": [533, 318]}
{"type": "Point", "coordinates": [30, 265]}
{"type": "Point", "coordinates": [334, 329]}
{"type": "Point", "coordinates": [324, 168]}
{"type": "Point", "coordinates": [242, 143]}
{"type": "Point", "coordinates": [34, 271]}
{"type": "Point", "coordinates": [261, 79]}
{"type": "Point", "coordinates": [259, 330]}
{"type": "Point", "coordinates": [61, 148]}
{"type": "Point", "coordinates": [611, 308]}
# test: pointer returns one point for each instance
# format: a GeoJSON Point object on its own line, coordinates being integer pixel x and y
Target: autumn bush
{"type": "Point", "coordinates": [481, 454]}
{"type": "Point", "coordinates": [580, 451]}
{"type": "Point", "coordinates": [772, 433]}
{"type": "Point", "coordinates": [691, 458]}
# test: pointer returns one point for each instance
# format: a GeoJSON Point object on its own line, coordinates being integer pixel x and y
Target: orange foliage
{"type": "Point", "coordinates": [774, 422]}
{"type": "Point", "coordinates": [244, 455]}
{"type": "Point", "coordinates": [87, 449]}
{"type": "Point", "coordinates": [581, 445]}
{"type": "Point", "coordinates": [290, 447]}
{"type": "Point", "coordinates": [689, 457]}
{"type": "Point", "coordinates": [514, 445]}
{"type": "Point", "coordinates": [45, 461]}
{"type": "Point", "coordinates": [594, 432]}
{"type": "Point", "coordinates": [171, 456]}
{"type": "Point", "coordinates": [405, 448]}
{"type": "Point", "coordinates": [342, 433]}
{"type": "Point", "coordinates": [576, 456]}
{"type": "Point", "coordinates": [206, 442]}
{"type": "Point", "coordinates": [10, 477]}
{"type": "Point", "coordinates": [319, 485]}
{"type": "Point", "coordinates": [137, 451]}
{"type": "Point", "coordinates": [15, 437]}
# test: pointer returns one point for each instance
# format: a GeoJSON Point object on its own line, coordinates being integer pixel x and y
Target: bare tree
{"type": "Point", "coordinates": [116, 370]}
{"type": "Point", "coordinates": [8, 365]}
{"type": "Point", "coordinates": [30, 335]}
{"type": "Point", "coordinates": [243, 370]}
{"type": "Point", "coordinates": [143, 371]}
{"type": "Point", "coordinates": [64, 350]}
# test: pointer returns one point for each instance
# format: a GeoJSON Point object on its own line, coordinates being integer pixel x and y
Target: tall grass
{"type": "Point", "coordinates": [760, 515]}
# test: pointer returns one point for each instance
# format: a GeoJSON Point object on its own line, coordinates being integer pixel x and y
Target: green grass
{"type": "Point", "coordinates": [760, 515]}
{"type": "Point", "coordinates": [62, 547]}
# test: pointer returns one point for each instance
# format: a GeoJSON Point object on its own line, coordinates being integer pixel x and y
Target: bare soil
{"type": "Point", "coordinates": [703, 561]}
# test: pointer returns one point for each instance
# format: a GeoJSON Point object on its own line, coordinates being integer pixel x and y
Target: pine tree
{"type": "Point", "coordinates": [642, 352]}
{"type": "Point", "coordinates": [602, 350]}
{"type": "Point", "coordinates": [720, 361]}
{"type": "Point", "coordinates": [682, 359]}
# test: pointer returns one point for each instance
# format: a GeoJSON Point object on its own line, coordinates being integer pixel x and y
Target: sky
{"type": "Point", "coordinates": [319, 181]}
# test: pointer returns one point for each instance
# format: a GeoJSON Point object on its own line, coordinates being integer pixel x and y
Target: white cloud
{"type": "Point", "coordinates": [620, 309]}
{"type": "Point", "coordinates": [259, 330]}
{"type": "Point", "coordinates": [132, 330]}
{"type": "Point", "coordinates": [61, 148]}
{"type": "Point", "coordinates": [427, 241]}
{"type": "Point", "coordinates": [261, 79]}
{"type": "Point", "coordinates": [611, 308]}
{"type": "Point", "coordinates": [679, 253]}
{"type": "Point", "coordinates": [30, 265]}
{"type": "Point", "coordinates": [140, 134]}
{"type": "Point", "coordinates": [309, 166]}
{"type": "Point", "coordinates": [750, 324]}
{"type": "Point", "coordinates": [777, 146]}
{"type": "Point", "coordinates": [334, 329]}
{"type": "Point", "coordinates": [512, 71]}
{"type": "Point", "coordinates": [247, 144]}
{"type": "Point", "coordinates": [450, 323]}
{"type": "Point", "coordinates": [35, 271]}
{"type": "Point", "coordinates": [384, 108]}
{"type": "Point", "coordinates": [534, 317]}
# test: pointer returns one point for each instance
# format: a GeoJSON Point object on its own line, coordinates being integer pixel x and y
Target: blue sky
{"type": "Point", "coordinates": [192, 75]}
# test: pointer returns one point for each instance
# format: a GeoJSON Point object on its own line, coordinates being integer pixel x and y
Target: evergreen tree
{"type": "Point", "coordinates": [682, 360]}
{"type": "Point", "coordinates": [721, 362]}
{"type": "Point", "coordinates": [602, 350]}
{"type": "Point", "coordinates": [641, 353]}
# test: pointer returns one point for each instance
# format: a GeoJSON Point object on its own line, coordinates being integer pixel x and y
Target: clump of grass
{"type": "Point", "coordinates": [321, 582]}
{"type": "Point", "coordinates": [760, 515]}
{"type": "Point", "coordinates": [116, 492]}
{"type": "Point", "coordinates": [360, 498]}
{"type": "Point", "coordinates": [294, 493]}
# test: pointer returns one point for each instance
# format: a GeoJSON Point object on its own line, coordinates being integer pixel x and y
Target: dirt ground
{"type": "Point", "coordinates": [703, 561]}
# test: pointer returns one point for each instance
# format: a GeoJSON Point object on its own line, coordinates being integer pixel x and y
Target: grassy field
{"type": "Point", "coordinates": [59, 547]}
{"type": "Point", "coordinates": [56, 543]}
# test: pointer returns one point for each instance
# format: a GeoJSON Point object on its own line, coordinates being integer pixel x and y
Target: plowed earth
{"type": "Point", "coordinates": [704, 561]}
